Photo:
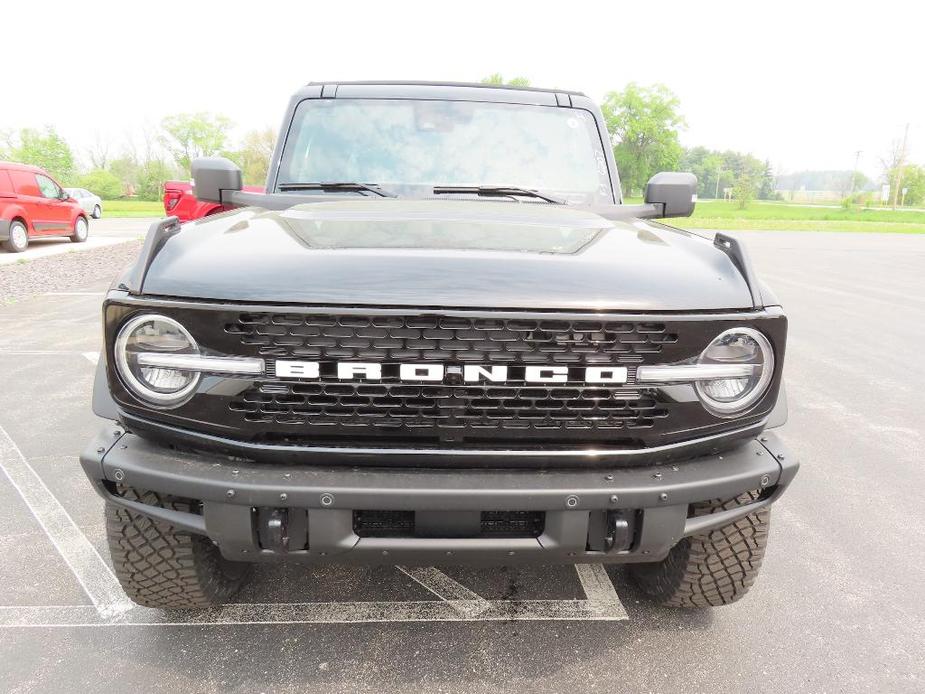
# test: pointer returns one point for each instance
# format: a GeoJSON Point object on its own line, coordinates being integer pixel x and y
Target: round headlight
{"type": "Point", "coordinates": [737, 347]}
{"type": "Point", "coordinates": [155, 334]}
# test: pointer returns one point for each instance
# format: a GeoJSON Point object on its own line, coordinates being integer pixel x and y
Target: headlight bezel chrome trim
{"type": "Point", "coordinates": [753, 396]}
{"type": "Point", "coordinates": [136, 387]}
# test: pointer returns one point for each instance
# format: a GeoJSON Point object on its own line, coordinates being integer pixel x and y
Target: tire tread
{"type": "Point", "coordinates": [713, 568]}
{"type": "Point", "coordinates": [160, 566]}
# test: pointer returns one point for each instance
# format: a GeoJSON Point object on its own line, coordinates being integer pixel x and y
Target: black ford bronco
{"type": "Point", "coordinates": [439, 337]}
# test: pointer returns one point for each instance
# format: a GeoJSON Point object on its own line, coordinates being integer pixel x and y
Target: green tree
{"type": "Point", "coordinates": [191, 135]}
{"type": "Point", "coordinates": [744, 190]}
{"type": "Point", "coordinates": [103, 183]}
{"type": "Point", "coordinates": [766, 182]}
{"type": "Point", "coordinates": [46, 149]}
{"type": "Point", "coordinates": [496, 78]}
{"type": "Point", "coordinates": [716, 171]}
{"type": "Point", "coordinates": [151, 177]}
{"type": "Point", "coordinates": [126, 169]}
{"type": "Point", "coordinates": [643, 123]}
{"type": "Point", "coordinates": [708, 166]}
{"type": "Point", "coordinates": [913, 180]}
{"type": "Point", "coordinates": [860, 181]}
{"type": "Point", "coordinates": [254, 155]}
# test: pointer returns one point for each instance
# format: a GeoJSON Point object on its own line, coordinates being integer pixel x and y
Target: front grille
{"type": "Point", "coordinates": [455, 413]}
{"type": "Point", "coordinates": [391, 406]}
{"type": "Point", "coordinates": [447, 412]}
{"type": "Point", "coordinates": [449, 338]}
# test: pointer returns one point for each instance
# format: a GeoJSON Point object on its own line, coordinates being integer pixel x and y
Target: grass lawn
{"type": "Point", "coordinates": [720, 214]}
{"type": "Point", "coordinates": [771, 216]}
{"type": "Point", "coordinates": [133, 208]}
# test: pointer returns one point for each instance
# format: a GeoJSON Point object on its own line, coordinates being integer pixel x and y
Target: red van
{"type": "Point", "coordinates": [34, 205]}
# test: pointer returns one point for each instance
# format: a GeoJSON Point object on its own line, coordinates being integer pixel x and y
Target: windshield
{"type": "Point", "coordinates": [426, 144]}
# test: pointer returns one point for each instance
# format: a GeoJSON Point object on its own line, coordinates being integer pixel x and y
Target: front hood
{"type": "Point", "coordinates": [442, 253]}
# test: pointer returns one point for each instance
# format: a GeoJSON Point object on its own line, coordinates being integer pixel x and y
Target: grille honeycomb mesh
{"type": "Point", "coordinates": [438, 406]}
{"type": "Point", "coordinates": [450, 411]}
{"type": "Point", "coordinates": [444, 338]}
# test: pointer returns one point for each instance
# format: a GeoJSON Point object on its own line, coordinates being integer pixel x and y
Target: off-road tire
{"type": "Point", "coordinates": [160, 566]}
{"type": "Point", "coordinates": [711, 568]}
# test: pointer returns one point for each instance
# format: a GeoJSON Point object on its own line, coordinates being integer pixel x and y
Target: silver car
{"type": "Point", "coordinates": [91, 204]}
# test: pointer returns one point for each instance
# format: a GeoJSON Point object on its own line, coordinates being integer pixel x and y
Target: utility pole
{"type": "Point", "coordinates": [900, 165]}
{"type": "Point", "coordinates": [854, 175]}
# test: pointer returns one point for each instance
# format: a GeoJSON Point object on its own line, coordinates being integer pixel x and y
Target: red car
{"type": "Point", "coordinates": [34, 205]}
{"type": "Point", "coordinates": [180, 201]}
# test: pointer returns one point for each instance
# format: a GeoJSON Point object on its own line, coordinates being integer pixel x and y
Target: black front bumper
{"type": "Point", "coordinates": [578, 505]}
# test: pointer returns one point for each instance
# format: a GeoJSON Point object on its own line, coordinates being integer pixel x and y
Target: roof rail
{"type": "Point", "coordinates": [157, 234]}
{"type": "Point", "coordinates": [430, 83]}
{"type": "Point", "coordinates": [736, 251]}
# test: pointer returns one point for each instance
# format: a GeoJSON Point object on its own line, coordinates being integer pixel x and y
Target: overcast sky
{"type": "Point", "coordinates": [804, 84]}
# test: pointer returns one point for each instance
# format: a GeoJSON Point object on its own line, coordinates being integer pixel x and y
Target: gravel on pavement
{"type": "Point", "coordinates": [65, 272]}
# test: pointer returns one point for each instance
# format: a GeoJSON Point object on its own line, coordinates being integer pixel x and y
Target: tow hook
{"type": "Point", "coordinates": [619, 535]}
{"type": "Point", "coordinates": [273, 528]}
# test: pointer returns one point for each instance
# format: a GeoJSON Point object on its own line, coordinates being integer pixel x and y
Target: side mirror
{"type": "Point", "coordinates": [214, 175]}
{"type": "Point", "coordinates": [676, 192]}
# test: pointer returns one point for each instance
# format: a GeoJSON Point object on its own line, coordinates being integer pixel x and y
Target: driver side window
{"type": "Point", "coordinates": [48, 187]}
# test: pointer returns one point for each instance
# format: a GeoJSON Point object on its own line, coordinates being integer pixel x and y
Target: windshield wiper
{"type": "Point", "coordinates": [325, 186]}
{"type": "Point", "coordinates": [499, 191]}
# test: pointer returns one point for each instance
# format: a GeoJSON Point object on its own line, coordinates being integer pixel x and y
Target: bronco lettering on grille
{"type": "Point", "coordinates": [470, 373]}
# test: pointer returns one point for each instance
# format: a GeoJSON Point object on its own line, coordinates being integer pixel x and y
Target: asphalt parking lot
{"type": "Point", "coordinates": [840, 604]}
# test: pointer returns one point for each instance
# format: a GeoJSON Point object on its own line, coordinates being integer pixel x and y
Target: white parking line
{"type": "Point", "coordinates": [602, 597]}
{"type": "Point", "coordinates": [308, 613]}
{"type": "Point", "coordinates": [79, 554]}
{"type": "Point", "coordinates": [456, 604]}
{"type": "Point", "coordinates": [465, 601]}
